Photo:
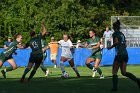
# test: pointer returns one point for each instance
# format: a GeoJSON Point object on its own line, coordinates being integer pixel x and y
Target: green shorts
{"type": "Point", "coordinates": [3, 58]}
{"type": "Point", "coordinates": [97, 56]}
{"type": "Point", "coordinates": [36, 58]}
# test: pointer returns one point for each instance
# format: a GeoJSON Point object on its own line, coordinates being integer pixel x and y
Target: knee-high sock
{"type": "Point", "coordinates": [131, 76]}
{"type": "Point", "coordinates": [32, 74]}
{"type": "Point", "coordinates": [89, 66]}
{"type": "Point", "coordinates": [44, 69]}
{"type": "Point", "coordinates": [99, 71]}
{"type": "Point", "coordinates": [75, 69]}
{"type": "Point", "coordinates": [8, 69]}
{"type": "Point", "coordinates": [25, 72]}
{"type": "Point", "coordinates": [115, 81]}
{"type": "Point", "coordinates": [62, 67]}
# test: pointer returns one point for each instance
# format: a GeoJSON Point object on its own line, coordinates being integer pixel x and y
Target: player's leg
{"type": "Point", "coordinates": [38, 60]}
{"type": "Point", "coordinates": [71, 62]}
{"type": "Point", "coordinates": [53, 58]}
{"type": "Point", "coordinates": [128, 74]}
{"type": "Point", "coordinates": [30, 65]}
{"type": "Point", "coordinates": [1, 63]}
{"type": "Point", "coordinates": [97, 68]}
{"type": "Point", "coordinates": [43, 68]}
{"type": "Point", "coordinates": [88, 61]}
{"type": "Point", "coordinates": [63, 59]}
{"type": "Point", "coordinates": [37, 64]}
{"type": "Point", "coordinates": [12, 67]}
{"type": "Point", "coordinates": [54, 61]}
{"type": "Point", "coordinates": [115, 76]}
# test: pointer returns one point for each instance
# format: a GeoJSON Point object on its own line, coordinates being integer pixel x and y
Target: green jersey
{"type": "Point", "coordinates": [11, 49]}
{"type": "Point", "coordinates": [93, 42]}
{"type": "Point", "coordinates": [121, 46]}
{"type": "Point", "coordinates": [43, 42]}
{"type": "Point", "coordinates": [35, 44]}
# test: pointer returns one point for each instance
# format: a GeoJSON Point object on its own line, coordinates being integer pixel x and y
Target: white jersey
{"type": "Point", "coordinates": [66, 52]}
{"type": "Point", "coordinates": [108, 34]}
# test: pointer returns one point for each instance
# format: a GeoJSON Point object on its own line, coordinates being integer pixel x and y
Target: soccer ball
{"type": "Point", "coordinates": [65, 75]}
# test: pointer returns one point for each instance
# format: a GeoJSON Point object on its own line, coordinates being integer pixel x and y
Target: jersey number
{"type": "Point", "coordinates": [34, 44]}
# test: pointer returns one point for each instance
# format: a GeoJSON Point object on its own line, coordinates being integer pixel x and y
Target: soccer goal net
{"type": "Point", "coordinates": [130, 26]}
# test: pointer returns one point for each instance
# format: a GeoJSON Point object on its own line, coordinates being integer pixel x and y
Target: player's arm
{"type": "Point", "coordinates": [45, 48]}
{"type": "Point", "coordinates": [116, 41]}
{"type": "Point", "coordinates": [44, 30]}
{"type": "Point", "coordinates": [23, 46]}
{"type": "Point", "coordinates": [97, 46]}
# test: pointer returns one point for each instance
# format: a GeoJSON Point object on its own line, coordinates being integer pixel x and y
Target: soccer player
{"type": "Point", "coordinates": [121, 57]}
{"type": "Point", "coordinates": [66, 54]}
{"type": "Point", "coordinates": [36, 56]}
{"type": "Point", "coordinates": [53, 50]}
{"type": "Point", "coordinates": [44, 69]}
{"type": "Point", "coordinates": [94, 44]}
{"type": "Point", "coordinates": [7, 55]}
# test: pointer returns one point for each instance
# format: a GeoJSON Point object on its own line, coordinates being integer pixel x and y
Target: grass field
{"type": "Point", "coordinates": [54, 84]}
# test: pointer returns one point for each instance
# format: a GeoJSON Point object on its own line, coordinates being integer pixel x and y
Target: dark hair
{"type": "Point", "coordinates": [17, 35]}
{"type": "Point", "coordinates": [93, 30]}
{"type": "Point", "coordinates": [32, 33]}
{"type": "Point", "coordinates": [116, 25]}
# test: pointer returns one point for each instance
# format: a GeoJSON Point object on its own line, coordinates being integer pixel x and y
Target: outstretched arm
{"type": "Point", "coordinates": [116, 41]}
{"type": "Point", "coordinates": [44, 30]}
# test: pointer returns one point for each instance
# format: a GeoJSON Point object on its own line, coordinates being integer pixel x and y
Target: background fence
{"type": "Point", "coordinates": [80, 56]}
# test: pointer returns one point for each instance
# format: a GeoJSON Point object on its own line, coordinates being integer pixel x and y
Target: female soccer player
{"type": "Point", "coordinates": [66, 54]}
{"type": "Point", "coordinates": [94, 44]}
{"type": "Point", "coordinates": [7, 55]}
{"type": "Point", "coordinates": [121, 57]}
{"type": "Point", "coordinates": [36, 56]}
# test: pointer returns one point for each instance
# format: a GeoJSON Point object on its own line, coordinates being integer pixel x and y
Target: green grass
{"type": "Point", "coordinates": [54, 84]}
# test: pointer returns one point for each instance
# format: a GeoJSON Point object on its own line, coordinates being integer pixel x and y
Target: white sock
{"type": "Point", "coordinates": [75, 69]}
{"type": "Point", "coordinates": [62, 66]}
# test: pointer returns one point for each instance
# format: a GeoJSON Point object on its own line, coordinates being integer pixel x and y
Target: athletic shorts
{"type": "Point", "coordinates": [3, 58]}
{"type": "Point", "coordinates": [36, 58]}
{"type": "Point", "coordinates": [97, 56]}
{"type": "Point", "coordinates": [121, 58]}
{"type": "Point", "coordinates": [53, 56]}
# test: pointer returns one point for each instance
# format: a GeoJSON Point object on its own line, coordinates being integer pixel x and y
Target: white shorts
{"type": "Point", "coordinates": [67, 56]}
{"type": "Point", "coordinates": [53, 56]}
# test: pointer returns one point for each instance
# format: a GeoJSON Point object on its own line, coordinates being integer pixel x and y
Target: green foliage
{"type": "Point", "coordinates": [70, 16]}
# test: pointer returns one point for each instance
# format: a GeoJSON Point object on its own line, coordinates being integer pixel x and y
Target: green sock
{"type": "Point", "coordinates": [44, 69]}
{"type": "Point", "coordinates": [99, 71]}
{"type": "Point", "coordinates": [131, 76]}
{"type": "Point", "coordinates": [115, 81]}
{"type": "Point", "coordinates": [32, 74]}
{"type": "Point", "coordinates": [25, 72]}
{"type": "Point", "coordinates": [90, 66]}
{"type": "Point", "coordinates": [9, 69]}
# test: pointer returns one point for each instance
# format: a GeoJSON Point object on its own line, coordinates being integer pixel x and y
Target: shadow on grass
{"type": "Point", "coordinates": [85, 84]}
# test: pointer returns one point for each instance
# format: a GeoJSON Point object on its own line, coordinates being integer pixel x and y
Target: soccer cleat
{"type": "Point", "coordinates": [94, 73]}
{"type": "Point", "coordinates": [22, 80]}
{"type": "Point", "coordinates": [101, 76]}
{"type": "Point", "coordinates": [138, 82]}
{"type": "Point", "coordinates": [3, 73]}
{"type": "Point", "coordinates": [78, 75]}
{"type": "Point", "coordinates": [47, 73]}
{"type": "Point", "coordinates": [114, 90]}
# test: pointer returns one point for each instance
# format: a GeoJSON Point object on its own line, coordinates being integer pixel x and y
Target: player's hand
{"type": "Point", "coordinates": [90, 48]}
{"type": "Point", "coordinates": [15, 53]}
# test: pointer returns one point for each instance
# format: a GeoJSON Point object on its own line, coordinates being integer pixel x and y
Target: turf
{"type": "Point", "coordinates": [54, 84]}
